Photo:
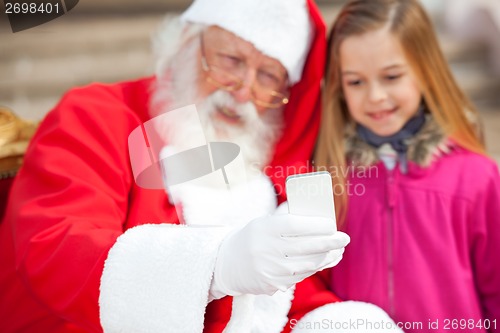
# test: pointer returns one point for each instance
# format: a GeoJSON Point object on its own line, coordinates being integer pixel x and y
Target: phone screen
{"type": "Point", "coordinates": [311, 194]}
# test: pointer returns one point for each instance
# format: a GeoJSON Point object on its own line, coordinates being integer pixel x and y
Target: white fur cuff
{"type": "Point", "coordinates": [157, 277]}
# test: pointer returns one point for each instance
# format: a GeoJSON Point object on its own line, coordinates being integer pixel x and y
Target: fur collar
{"type": "Point", "coordinates": [427, 145]}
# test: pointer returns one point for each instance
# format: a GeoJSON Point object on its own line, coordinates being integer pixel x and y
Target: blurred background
{"type": "Point", "coordinates": [109, 41]}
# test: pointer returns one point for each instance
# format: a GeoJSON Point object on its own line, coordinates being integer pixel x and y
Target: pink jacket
{"type": "Point", "coordinates": [425, 246]}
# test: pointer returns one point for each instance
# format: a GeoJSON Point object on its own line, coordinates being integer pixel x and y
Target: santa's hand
{"type": "Point", "coordinates": [274, 253]}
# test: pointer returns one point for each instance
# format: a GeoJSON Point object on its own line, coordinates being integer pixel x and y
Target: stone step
{"type": "Point", "coordinates": [32, 108]}
{"type": "Point", "coordinates": [126, 6]}
{"type": "Point", "coordinates": [491, 123]}
{"type": "Point", "coordinates": [477, 83]}
{"type": "Point", "coordinates": [102, 33]}
{"type": "Point", "coordinates": [40, 64]}
{"type": "Point", "coordinates": [129, 6]}
{"type": "Point", "coordinates": [458, 51]}
{"type": "Point", "coordinates": [33, 98]}
{"type": "Point", "coordinates": [98, 35]}
{"type": "Point", "coordinates": [45, 77]}
{"type": "Point", "coordinates": [82, 35]}
{"type": "Point", "coordinates": [36, 77]}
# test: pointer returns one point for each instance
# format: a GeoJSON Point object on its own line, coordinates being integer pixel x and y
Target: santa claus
{"type": "Point", "coordinates": [90, 240]}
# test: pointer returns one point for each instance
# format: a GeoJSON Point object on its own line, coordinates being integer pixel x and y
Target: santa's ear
{"type": "Point", "coordinates": [190, 33]}
{"type": "Point", "coordinates": [171, 38]}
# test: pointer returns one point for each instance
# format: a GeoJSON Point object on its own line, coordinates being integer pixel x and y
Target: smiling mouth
{"type": "Point", "coordinates": [379, 115]}
{"type": "Point", "coordinates": [229, 114]}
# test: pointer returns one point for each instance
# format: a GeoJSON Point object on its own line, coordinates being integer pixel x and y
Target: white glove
{"type": "Point", "coordinates": [274, 253]}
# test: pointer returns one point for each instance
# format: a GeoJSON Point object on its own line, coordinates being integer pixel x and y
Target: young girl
{"type": "Point", "coordinates": [407, 154]}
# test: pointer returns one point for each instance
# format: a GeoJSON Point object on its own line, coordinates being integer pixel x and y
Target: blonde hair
{"type": "Point", "coordinates": [409, 22]}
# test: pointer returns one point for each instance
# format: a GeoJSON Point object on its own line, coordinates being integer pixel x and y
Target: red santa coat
{"type": "Point", "coordinates": [75, 195]}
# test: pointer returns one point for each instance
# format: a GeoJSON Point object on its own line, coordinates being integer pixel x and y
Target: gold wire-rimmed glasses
{"type": "Point", "coordinates": [223, 79]}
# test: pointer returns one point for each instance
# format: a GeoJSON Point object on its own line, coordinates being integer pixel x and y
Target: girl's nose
{"type": "Point", "coordinates": [377, 93]}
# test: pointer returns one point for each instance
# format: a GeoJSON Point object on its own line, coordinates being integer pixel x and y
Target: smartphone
{"type": "Point", "coordinates": [311, 194]}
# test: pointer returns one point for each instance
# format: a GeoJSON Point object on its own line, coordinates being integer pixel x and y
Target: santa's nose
{"type": "Point", "coordinates": [244, 93]}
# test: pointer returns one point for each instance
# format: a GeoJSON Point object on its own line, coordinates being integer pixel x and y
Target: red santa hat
{"type": "Point", "coordinates": [280, 29]}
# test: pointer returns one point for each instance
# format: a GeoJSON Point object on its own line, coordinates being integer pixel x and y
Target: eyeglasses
{"type": "Point", "coordinates": [221, 73]}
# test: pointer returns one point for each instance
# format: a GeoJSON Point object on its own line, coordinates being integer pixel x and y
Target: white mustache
{"type": "Point", "coordinates": [247, 112]}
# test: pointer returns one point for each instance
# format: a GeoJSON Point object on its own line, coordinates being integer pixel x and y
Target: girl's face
{"type": "Point", "coordinates": [381, 91]}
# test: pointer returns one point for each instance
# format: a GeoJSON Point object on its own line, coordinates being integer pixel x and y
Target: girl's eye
{"type": "Point", "coordinates": [354, 83]}
{"type": "Point", "coordinates": [393, 77]}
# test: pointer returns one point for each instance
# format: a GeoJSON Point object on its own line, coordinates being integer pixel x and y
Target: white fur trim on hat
{"type": "Point", "coordinates": [280, 29]}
